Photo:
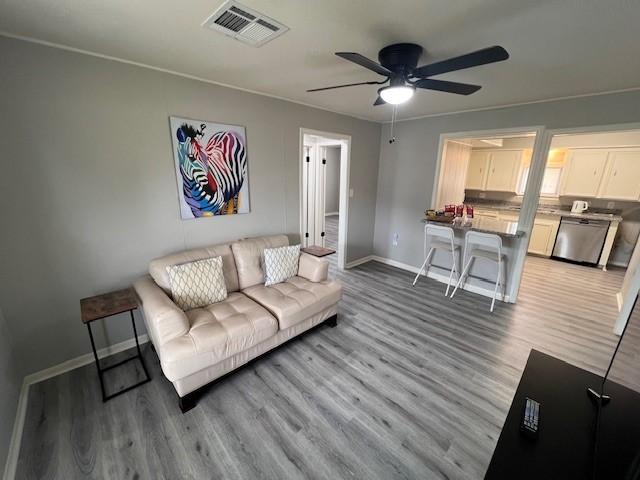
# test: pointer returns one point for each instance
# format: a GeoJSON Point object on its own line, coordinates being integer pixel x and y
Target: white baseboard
{"type": "Point", "coordinates": [442, 278]}
{"type": "Point", "coordinates": [21, 411]}
{"type": "Point", "coordinates": [620, 300]}
{"type": "Point", "coordinates": [359, 261]}
{"type": "Point", "coordinates": [330, 214]}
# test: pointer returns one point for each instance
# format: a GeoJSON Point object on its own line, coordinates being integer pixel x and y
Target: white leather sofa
{"type": "Point", "coordinates": [198, 346]}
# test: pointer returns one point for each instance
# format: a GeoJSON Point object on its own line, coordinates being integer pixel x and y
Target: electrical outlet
{"type": "Point", "coordinates": [395, 240]}
{"type": "Point", "coordinates": [482, 195]}
{"type": "Point", "coordinates": [611, 205]}
{"type": "Point", "coordinates": [351, 193]}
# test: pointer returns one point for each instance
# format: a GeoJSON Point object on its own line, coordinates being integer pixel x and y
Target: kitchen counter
{"type": "Point", "coordinates": [550, 210]}
{"type": "Point", "coordinates": [485, 225]}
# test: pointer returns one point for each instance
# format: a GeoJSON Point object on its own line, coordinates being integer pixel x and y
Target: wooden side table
{"type": "Point", "coordinates": [103, 306]}
{"type": "Point", "coordinates": [318, 251]}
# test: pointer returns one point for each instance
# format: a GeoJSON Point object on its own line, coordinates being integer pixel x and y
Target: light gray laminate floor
{"type": "Point", "coordinates": [408, 385]}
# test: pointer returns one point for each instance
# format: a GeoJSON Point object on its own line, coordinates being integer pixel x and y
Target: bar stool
{"type": "Point", "coordinates": [441, 238]}
{"type": "Point", "coordinates": [485, 246]}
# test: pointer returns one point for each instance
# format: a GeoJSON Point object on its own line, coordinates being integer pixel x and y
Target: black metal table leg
{"type": "Point", "coordinates": [95, 355]}
{"type": "Point", "coordinates": [101, 370]}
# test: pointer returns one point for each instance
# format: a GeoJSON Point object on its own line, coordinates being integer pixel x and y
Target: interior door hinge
{"type": "Point", "coordinates": [306, 235]}
{"type": "Point", "coordinates": [322, 234]}
{"type": "Point", "coordinates": [308, 159]}
{"type": "Point", "coordinates": [324, 161]}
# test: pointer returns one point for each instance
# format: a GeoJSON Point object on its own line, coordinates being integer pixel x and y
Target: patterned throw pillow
{"type": "Point", "coordinates": [196, 284]}
{"type": "Point", "coordinates": [280, 264]}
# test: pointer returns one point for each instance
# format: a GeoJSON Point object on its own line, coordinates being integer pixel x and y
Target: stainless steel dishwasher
{"type": "Point", "coordinates": [580, 240]}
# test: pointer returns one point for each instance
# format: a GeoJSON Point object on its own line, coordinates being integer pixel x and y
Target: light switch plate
{"type": "Point", "coordinates": [351, 193]}
{"type": "Point", "coordinates": [611, 205]}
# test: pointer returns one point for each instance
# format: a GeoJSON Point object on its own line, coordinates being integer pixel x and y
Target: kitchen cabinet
{"type": "Point", "coordinates": [583, 172]}
{"type": "Point", "coordinates": [477, 170]}
{"type": "Point", "coordinates": [494, 170]}
{"type": "Point", "coordinates": [622, 177]}
{"type": "Point", "coordinates": [504, 167]}
{"type": "Point", "coordinates": [543, 235]}
{"type": "Point", "coordinates": [486, 213]}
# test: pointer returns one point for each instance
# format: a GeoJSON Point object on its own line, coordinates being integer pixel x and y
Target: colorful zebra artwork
{"type": "Point", "coordinates": [211, 168]}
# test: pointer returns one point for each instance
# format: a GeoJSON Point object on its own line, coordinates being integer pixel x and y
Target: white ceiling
{"type": "Point", "coordinates": [558, 48]}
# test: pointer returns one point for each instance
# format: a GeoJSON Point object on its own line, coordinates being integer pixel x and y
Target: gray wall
{"type": "Point", "coordinates": [88, 192]}
{"type": "Point", "coordinates": [332, 180]}
{"type": "Point", "coordinates": [407, 167]}
{"type": "Point", "coordinates": [10, 380]}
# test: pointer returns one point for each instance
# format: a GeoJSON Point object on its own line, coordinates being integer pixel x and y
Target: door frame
{"type": "Point", "coordinates": [529, 200]}
{"type": "Point", "coordinates": [627, 301]}
{"type": "Point", "coordinates": [345, 171]}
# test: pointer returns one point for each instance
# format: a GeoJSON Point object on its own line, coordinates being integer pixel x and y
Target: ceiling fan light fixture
{"type": "Point", "coordinates": [397, 94]}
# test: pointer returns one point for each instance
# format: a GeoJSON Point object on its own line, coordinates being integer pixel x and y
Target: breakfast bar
{"type": "Point", "coordinates": [482, 274]}
{"type": "Point", "coordinates": [503, 228]}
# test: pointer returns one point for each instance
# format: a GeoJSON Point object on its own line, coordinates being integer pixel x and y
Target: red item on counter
{"type": "Point", "coordinates": [459, 210]}
{"type": "Point", "coordinates": [469, 211]}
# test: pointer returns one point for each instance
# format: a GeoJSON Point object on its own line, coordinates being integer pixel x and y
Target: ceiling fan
{"type": "Point", "coordinates": [399, 62]}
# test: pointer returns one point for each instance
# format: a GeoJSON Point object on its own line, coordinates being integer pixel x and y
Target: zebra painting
{"type": "Point", "coordinates": [211, 168]}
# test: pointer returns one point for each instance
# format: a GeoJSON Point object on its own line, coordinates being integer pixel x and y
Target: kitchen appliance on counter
{"type": "Point", "coordinates": [580, 240]}
{"type": "Point", "coordinates": [579, 206]}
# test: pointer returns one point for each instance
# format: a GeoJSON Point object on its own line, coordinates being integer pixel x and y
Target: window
{"type": "Point", "coordinates": [550, 182]}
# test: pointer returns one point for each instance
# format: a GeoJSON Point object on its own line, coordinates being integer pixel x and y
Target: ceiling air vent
{"type": "Point", "coordinates": [244, 24]}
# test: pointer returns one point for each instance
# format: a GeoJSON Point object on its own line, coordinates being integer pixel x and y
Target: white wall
{"type": "Point", "coordinates": [10, 380]}
{"type": "Point", "coordinates": [407, 167]}
{"type": "Point", "coordinates": [88, 191]}
{"type": "Point", "coordinates": [332, 180]}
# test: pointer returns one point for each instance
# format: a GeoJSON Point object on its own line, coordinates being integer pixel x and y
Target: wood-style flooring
{"type": "Point", "coordinates": [410, 384]}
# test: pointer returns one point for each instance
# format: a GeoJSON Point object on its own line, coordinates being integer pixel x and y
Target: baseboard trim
{"type": "Point", "coordinates": [330, 214]}
{"type": "Point", "coordinates": [441, 278]}
{"type": "Point", "coordinates": [359, 261]}
{"type": "Point", "coordinates": [64, 367]}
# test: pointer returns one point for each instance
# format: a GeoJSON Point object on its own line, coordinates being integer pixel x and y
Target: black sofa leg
{"type": "Point", "coordinates": [187, 402]}
{"type": "Point", "coordinates": [332, 321]}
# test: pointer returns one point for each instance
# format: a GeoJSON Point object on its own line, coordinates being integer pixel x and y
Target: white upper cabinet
{"type": "Point", "coordinates": [622, 177]}
{"type": "Point", "coordinates": [504, 167]}
{"type": "Point", "coordinates": [495, 170]}
{"type": "Point", "coordinates": [477, 171]}
{"type": "Point", "coordinates": [583, 172]}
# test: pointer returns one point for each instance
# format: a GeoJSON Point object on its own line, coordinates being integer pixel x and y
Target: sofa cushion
{"type": "Point", "coordinates": [248, 258]}
{"type": "Point", "coordinates": [280, 264]}
{"type": "Point", "coordinates": [196, 284]}
{"type": "Point", "coordinates": [158, 266]}
{"type": "Point", "coordinates": [296, 299]}
{"type": "Point", "coordinates": [228, 327]}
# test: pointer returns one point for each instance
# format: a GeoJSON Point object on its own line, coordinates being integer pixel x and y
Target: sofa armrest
{"type": "Point", "coordinates": [163, 317]}
{"type": "Point", "coordinates": [313, 268]}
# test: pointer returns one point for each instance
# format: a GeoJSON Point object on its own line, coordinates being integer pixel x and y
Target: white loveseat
{"type": "Point", "coordinates": [200, 345]}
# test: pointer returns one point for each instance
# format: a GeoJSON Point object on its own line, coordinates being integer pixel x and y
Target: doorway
{"type": "Point", "coordinates": [324, 195]}
{"type": "Point", "coordinates": [599, 186]}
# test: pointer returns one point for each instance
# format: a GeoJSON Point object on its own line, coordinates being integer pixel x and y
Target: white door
{"type": "Point", "coordinates": [313, 202]}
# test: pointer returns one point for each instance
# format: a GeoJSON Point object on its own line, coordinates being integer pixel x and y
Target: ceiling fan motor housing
{"type": "Point", "coordinates": [400, 57]}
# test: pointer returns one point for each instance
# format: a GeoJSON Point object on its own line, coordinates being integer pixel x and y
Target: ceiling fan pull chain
{"type": "Point", "coordinates": [393, 122]}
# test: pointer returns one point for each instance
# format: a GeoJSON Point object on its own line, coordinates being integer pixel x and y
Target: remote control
{"type": "Point", "coordinates": [530, 418]}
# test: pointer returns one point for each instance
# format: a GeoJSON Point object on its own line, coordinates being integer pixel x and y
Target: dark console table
{"type": "Point", "coordinates": [565, 445]}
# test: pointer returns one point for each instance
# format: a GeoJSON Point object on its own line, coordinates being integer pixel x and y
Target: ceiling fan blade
{"type": "Point", "coordinates": [450, 87]}
{"type": "Point", "coordinates": [364, 62]}
{"type": "Point", "coordinates": [473, 59]}
{"type": "Point", "coordinates": [379, 101]}
{"type": "Point", "coordinates": [345, 85]}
